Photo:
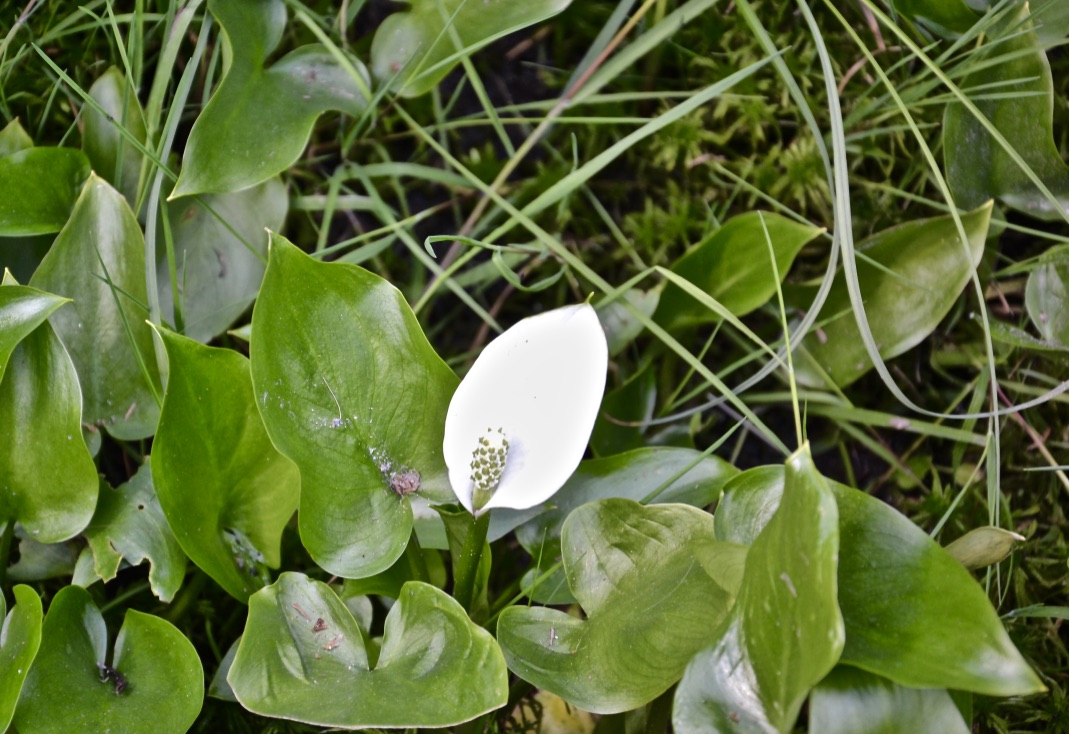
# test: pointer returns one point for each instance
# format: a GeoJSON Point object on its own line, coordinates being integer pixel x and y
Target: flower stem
{"type": "Point", "coordinates": [417, 565]}
{"type": "Point", "coordinates": [467, 566]}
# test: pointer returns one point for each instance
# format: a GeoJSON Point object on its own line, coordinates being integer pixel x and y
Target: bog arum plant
{"type": "Point", "coordinates": [519, 423]}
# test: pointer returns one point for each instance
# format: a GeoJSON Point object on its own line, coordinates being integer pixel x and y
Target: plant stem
{"type": "Point", "coordinates": [417, 564]}
{"type": "Point", "coordinates": [467, 566]}
{"type": "Point", "coordinates": [122, 598]}
{"type": "Point", "coordinates": [190, 591]}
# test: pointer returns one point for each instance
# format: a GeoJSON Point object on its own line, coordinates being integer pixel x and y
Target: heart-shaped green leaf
{"type": "Point", "coordinates": [49, 477]}
{"type": "Point", "coordinates": [114, 157]}
{"type": "Point", "coordinates": [1046, 297]}
{"type": "Point", "coordinates": [686, 476]}
{"type": "Point", "coordinates": [38, 186]}
{"type": "Point", "coordinates": [98, 260]}
{"type": "Point", "coordinates": [978, 167]}
{"type": "Point", "coordinates": [654, 585]}
{"type": "Point", "coordinates": [259, 119]}
{"type": "Point", "coordinates": [226, 492]}
{"type": "Point", "coordinates": [19, 641]}
{"type": "Point", "coordinates": [303, 657]}
{"type": "Point", "coordinates": [786, 632]}
{"type": "Point", "coordinates": [909, 276]}
{"type": "Point", "coordinates": [129, 524]}
{"type": "Point", "coordinates": [416, 48]}
{"type": "Point", "coordinates": [22, 310]}
{"type": "Point", "coordinates": [40, 561]}
{"type": "Point", "coordinates": [154, 682]}
{"type": "Point", "coordinates": [913, 614]}
{"type": "Point", "coordinates": [851, 701]}
{"type": "Point", "coordinates": [220, 250]}
{"type": "Point", "coordinates": [734, 266]}
{"type": "Point", "coordinates": [352, 392]}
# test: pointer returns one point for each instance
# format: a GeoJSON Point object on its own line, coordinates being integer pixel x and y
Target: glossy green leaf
{"type": "Point", "coordinates": [851, 701]}
{"type": "Point", "coordinates": [913, 614]}
{"type": "Point", "coordinates": [1046, 298]}
{"type": "Point", "coordinates": [621, 325]}
{"type": "Point", "coordinates": [910, 276]}
{"type": "Point", "coordinates": [683, 476]}
{"type": "Point", "coordinates": [388, 583]}
{"type": "Point", "coordinates": [407, 568]}
{"type": "Point", "coordinates": [259, 119]}
{"type": "Point", "coordinates": [364, 614]}
{"type": "Point", "coordinates": [352, 392]}
{"type": "Point", "coordinates": [19, 641]}
{"type": "Point", "coordinates": [226, 492]}
{"type": "Point", "coordinates": [40, 561]}
{"type": "Point", "coordinates": [985, 546]}
{"type": "Point", "coordinates": [84, 573]}
{"type": "Point", "coordinates": [14, 138]}
{"type": "Point", "coordinates": [654, 584]}
{"type": "Point", "coordinates": [630, 403]}
{"type": "Point", "coordinates": [129, 524]}
{"type": "Point", "coordinates": [220, 249]}
{"type": "Point", "coordinates": [113, 157]}
{"type": "Point", "coordinates": [102, 241]}
{"type": "Point", "coordinates": [686, 476]}
{"type": "Point", "coordinates": [303, 657]}
{"type": "Point", "coordinates": [944, 18]}
{"type": "Point", "coordinates": [786, 632]}
{"type": "Point", "coordinates": [38, 186]}
{"type": "Point", "coordinates": [220, 687]}
{"type": "Point", "coordinates": [49, 478]}
{"type": "Point", "coordinates": [977, 166]}
{"type": "Point", "coordinates": [1052, 20]}
{"type": "Point", "coordinates": [734, 266]}
{"type": "Point", "coordinates": [749, 501]}
{"type": "Point", "coordinates": [22, 310]}
{"type": "Point", "coordinates": [152, 682]}
{"type": "Point", "coordinates": [415, 49]}
{"type": "Point", "coordinates": [428, 524]}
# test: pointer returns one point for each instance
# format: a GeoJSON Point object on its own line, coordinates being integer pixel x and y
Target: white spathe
{"type": "Point", "coordinates": [540, 383]}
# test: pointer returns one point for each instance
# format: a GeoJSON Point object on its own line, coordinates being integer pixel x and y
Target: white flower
{"type": "Point", "coordinates": [519, 422]}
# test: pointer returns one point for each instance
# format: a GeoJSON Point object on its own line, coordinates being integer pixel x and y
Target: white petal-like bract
{"type": "Point", "coordinates": [539, 384]}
